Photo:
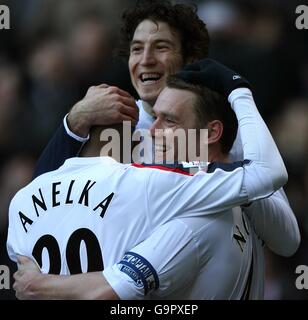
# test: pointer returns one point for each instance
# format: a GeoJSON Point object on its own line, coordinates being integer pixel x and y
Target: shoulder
{"type": "Point", "coordinates": [177, 169]}
{"type": "Point", "coordinates": [228, 167]}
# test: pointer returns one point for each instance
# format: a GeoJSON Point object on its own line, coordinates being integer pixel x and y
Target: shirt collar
{"type": "Point", "coordinates": [147, 107]}
{"type": "Point", "coordinates": [91, 160]}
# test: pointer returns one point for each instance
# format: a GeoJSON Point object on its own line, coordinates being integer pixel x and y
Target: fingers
{"type": "Point", "coordinates": [130, 119]}
{"type": "Point", "coordinates": [102, 89]}
{"type": "Point", "coordinates": [122, 93]}
{"type": "Point", "coordinates": [25, 263]}
{"type": "Point", "coordinates": [102, 86]}
{"type": "Point", "coordinates": [16, 275]}
{"type": "Point", "coordinates": [129, 101]}
{"type": "Point", "coordinates": [131, 107]}
{"type": "Point", "coordinates": [106, 105]}
{"type": "Point", "coordinates": [130, 112]}
{"type": "Point", "coordinates": [23, 259]}
{"type": "Point", "coordinates": [114, 89]}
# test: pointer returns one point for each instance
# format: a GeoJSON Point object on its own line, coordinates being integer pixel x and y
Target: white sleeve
{"type": "Point", "coordinates": [275, 223]}
{"type": "Point", "coordinates": [157, 265]}
{"type": "Point", "coordinates": [258, 144]}
{"type": "Point", "coordinates": [16, 244]}
{"type": "Point", "coordinates": [229, 185]}
{"type": "Point", "coordinates": [72, 134]}
{"type": "Point", "coordinates": [236, 153]}
{"type": "Point", "coordinates": [11, 245]}
{"type": "Point", "coordinates": [272, 218]}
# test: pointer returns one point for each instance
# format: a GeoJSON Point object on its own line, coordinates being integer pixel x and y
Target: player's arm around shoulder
{"type": "Point", "coordinates": [31, 284]}
{"type": "Point", "coordinates": [102, 105]}
{"type": "Point", "coordinates": [265, 172]}
{"type": "Point", "coordinates": [275, 223]}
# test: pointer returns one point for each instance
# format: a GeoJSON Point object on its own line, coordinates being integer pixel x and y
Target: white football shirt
{"type": "Point", "coordinates": [87, 214]}
{"type": "Point", "coordinates": [135, 201]}
{"type": "Point", "coordinates": [193, 258]}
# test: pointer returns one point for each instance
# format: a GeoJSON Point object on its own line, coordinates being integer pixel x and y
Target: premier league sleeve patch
{"type": "Point", "coordinates": [140, 271]}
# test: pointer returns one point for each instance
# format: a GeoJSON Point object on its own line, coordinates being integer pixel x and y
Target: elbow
{"type": "Point", "coordinates": [289, 252]}
{"type": "Point", "coordinates": [294, 245]}
{"type": "Point", "coordinates": [280, 178]}
{"type": "Point", "coordinates": [291, 247]}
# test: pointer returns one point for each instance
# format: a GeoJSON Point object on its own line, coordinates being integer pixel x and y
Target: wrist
{"type": "Point", "coordinates": [36, 287]}
{"type": "Point", "coordinates": [50, 287]}
{"type": "Point", "coordinates": [78, 121]}
{"type": "Point", "coordinates": [239, 93]}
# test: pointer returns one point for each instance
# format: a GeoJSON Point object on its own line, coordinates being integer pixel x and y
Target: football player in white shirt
{"type": "Point", "coordinates": [158, 45]}
{"type": "Point", "coordinates": [104, 105]}
{"type": "Point", "coordinates": [175, 206]}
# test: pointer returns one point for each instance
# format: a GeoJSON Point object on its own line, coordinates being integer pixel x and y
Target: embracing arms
{"type": "Point", "coordinates": [31, 284]}
{"type": "Point", "coordinates": [102, 105]}
{"type": "Point", "coordinates": [157, 265]}
{"type": "Point", "coordinates": [272, 217]}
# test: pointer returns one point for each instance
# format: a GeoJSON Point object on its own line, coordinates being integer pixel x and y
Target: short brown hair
{"type": "Point", "coordinates": [210, 106]}
{"type": "Point", "coordinates": [182, 18]}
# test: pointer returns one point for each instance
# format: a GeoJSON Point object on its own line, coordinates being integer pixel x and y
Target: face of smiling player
{"type": "Point", "coordinates": [173, 110]}
{"type": "Point", "coordinates": [155, 54]}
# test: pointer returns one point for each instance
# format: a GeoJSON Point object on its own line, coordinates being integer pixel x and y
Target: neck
{"type": "Point", "coordinates": [113, 144]}
{"type": "Point", "coordinates": [215, 155]}
{"type": "Point", "coordinates": [147, 107]}
{"type": "Point", "coordinates": [110, 147]}
{"type": "Point", "coordinates": [94, 146]}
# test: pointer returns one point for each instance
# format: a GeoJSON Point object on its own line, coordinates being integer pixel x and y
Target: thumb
{"type": "Point", "coordinates": [25, 263]}
{"type": "Point", "coordinates": [22, 259]}
{"type": "Point", "coordinates": [103, 86]}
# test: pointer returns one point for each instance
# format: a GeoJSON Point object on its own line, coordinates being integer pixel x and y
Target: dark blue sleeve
{"type": "Point", "coordinates": [59, 148]}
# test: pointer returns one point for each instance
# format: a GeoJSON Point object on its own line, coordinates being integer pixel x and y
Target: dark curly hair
{"type": "Point", "coordinates": [182, 18]}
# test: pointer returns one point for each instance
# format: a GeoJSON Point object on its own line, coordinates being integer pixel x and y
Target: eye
{"type": "Point", "coordinates": [162, 47]}
{"type": "Point", "coordinates": [170, 121]}
{"type": "Point", "coordinates": [135, 49]}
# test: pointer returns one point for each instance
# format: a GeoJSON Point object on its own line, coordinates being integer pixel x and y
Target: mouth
{"type": "Point", "coordinates": [150, 78]}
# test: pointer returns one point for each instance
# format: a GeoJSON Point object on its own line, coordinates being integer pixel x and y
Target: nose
{"type": "Point", "coordinates": [148, 57]}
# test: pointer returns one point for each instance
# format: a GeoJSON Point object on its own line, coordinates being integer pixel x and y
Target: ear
{"type": "Point", "coordinates": [215, 130]}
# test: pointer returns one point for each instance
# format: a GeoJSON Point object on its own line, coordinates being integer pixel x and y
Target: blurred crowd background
{"type": "Point", "coordinates": [56, 49]}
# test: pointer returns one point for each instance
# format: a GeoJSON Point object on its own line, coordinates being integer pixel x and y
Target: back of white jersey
{"type": "Point", "coordinates": [227, 268]}
{"type": "Point", "coordinates": [66, 215]}
{"type": "Point", "coordinates": [224, 247]}
{"type": "Point", "coordinates": [87, 214]}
